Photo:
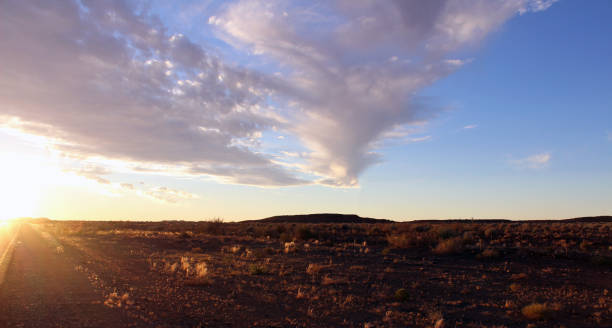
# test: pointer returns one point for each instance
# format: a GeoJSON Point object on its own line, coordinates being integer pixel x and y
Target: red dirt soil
{"type": "Point", "coordinates": [42, 289]}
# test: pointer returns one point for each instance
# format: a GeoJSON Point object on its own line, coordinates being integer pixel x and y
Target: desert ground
{"type": "Point", "coordinates": [291, 272]}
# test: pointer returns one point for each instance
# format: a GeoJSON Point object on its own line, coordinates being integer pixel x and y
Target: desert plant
{"type": "Point", "coordinates": [313, 269]}
{"type": "Point", "coordinates": [488, 254]}
{"type": "Point", "coordinates": [401, 295]}
{"type": "Point", "coordinates": [305, 233]}
{"type": "Point", "coordinates": [258, 269]}
{"type": "Point", "coordinates": [201, 270]}
{"type": "Point", "coordinates": [449, 246]}
{"type": "Point", "coordinates": [185, 264]}
{"type": "Point", "coordinates": [290, 247]}
{"type": "Point", "coordinates": [535, 311]}
{"type": "Point", "coordinates": [171, 268]}
{"type": "Point", "coordinates": [446, 232]}
{"type": "Point", "coordinates": [214, 226]}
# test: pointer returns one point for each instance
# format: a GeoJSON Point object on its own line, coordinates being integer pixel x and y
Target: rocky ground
{"type": "Point", "coordinates": [214, 274]}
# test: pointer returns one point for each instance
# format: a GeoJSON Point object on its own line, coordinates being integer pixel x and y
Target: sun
{"type": "Point", "coordinates": [21, 182]}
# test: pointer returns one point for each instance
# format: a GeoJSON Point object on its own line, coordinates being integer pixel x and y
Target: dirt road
{"type": "Point", "coordinates": [42, 289]}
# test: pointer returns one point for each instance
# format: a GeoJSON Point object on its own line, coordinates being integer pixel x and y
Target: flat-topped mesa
{"type": "Point", "coordinates": [320, 218]}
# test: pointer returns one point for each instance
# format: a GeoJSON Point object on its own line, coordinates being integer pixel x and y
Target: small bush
{"type": "Point", "coordinates": [401, 295]}
{"type": "Point", "coordinates": [258, 269]}
{"type": "Point", "coordinates": [214, 226]}
{"type": "Point", "coordinates": [535, 311]}
{"type": "Point", "coordinates": [449, 246]}
{"type": "Point", "coordinates": [400, 241]}
{"type": "Point", "coordinates": [491, 233]}
{"type": "Point", "coordinates": [422, 228]}
{"type": "Point", "coordinates": [313, 269]}
{"type": "Point", "coordinates": [446, 232]}
{"type": "Point", "coordinates": [304, 233]}
{"type": "Point", "coordinates": [201, 270]}
{"type": "Point", "coordinates": [489, 254]}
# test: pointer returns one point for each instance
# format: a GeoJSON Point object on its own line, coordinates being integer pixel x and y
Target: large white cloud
{"type": "Point", "coordinates": [106, 79]}
{"type": "Point", "coordinates": [352, 69]}
{"type": "Point", "coordinates": [103, 80]}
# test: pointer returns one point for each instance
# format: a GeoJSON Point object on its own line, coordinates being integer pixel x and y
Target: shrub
{"type": "Point", "coordinates": [304, 233]}
{"type": "Point", "coordinates": [201, 270]}
{"type": "Point", "coordinates": [489, 253]}
{"type": "Point", "coordinates": [491, 233]}
{"type": "Point", "coordinates": [214, 226]}
{"type": "Point", "coordinates": [171, 268]}
{"type": "Point", "coordinates": [313, 269]}
{"type": "Point", "coordinates": [535, 311]}
{"type": "Point", "coordinates": [401, 295]}
{"type": "Point", "coordinates": [185, 264]}
{"type": "Point", "coordinates": [257, 269]}
{"type": "Point", "coordinates": [400, 241]}
{"type": "Point", "coordinates": [446, 232]}
{"type": "Point", "coordinates": [290, 247]}
{"type": "Point", "coordinates": [449, 246]}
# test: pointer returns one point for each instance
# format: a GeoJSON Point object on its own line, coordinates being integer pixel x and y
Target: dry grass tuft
{"type": "Point", "coordinates": [449, 246]}
{"type": "Point", "coordinates": [313, 269]}
{"type": "Point", "coordinates": [489, 254]}
{"type": "Point", "coordinates": [536, 311]}
{"type": "Point", "coordinates": [201, 270]}
{"type": "Point", "coordinates": [258, 269]}
{"type": "Point", "coordinates": [290, 247]}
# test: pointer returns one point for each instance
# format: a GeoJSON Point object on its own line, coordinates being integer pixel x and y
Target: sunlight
{"type": "Point", "coordinates": [23, 180]}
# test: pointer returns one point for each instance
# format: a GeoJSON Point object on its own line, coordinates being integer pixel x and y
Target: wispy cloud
{"type": "Point", "coordinates": [469, 127]}
{"type": "Point", "coordinates": [536, 161]}
{"type": "Point", "coordinates": [169, 195]}
{"type": "Point", "coordinates": [420, 139]}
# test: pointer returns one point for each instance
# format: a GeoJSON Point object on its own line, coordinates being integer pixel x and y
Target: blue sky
{"type": "Point", "coordinates": [247, 109]}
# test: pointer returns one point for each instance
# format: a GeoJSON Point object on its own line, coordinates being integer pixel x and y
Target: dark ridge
{"type": "Point", "coordinates": [590, 219]}
{"type": "Point", "coordinates": [462, 221]}
{"type": "Point", "coordinates": [320, 218]}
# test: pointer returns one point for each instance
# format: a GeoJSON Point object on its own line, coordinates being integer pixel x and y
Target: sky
{"type": "Point", "coordinates": [153, 110]}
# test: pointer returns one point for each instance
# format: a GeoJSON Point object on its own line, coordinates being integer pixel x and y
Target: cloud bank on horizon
{"type": "Point", "coordinates": [106, 79]}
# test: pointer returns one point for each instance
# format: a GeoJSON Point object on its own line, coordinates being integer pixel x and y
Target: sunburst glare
{"type": "Point", "coordinates": [23, 180]}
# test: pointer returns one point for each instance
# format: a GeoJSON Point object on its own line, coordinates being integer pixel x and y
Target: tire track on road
{"type": "Point", "coordinates": [7, 254]}
{"type": "Point", "coordinates": [43, 289]}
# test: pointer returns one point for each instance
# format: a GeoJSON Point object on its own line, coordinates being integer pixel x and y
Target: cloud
{"type": "Point", "coordinates": [420, 139]}
{"type": "Point", "coordinates": [537, 5]}
{"type": "Point", "coordinates": [98, 174]}
{"type": "Point", "coordinates": [351, 69]}
{"type": "Point", "coordinates": [92, 172]}
{"type": "Point", "coordinates": [101, 80]}
{"type": "Point", "coordinates": [536, 161]}
{"type": "Point", "coordinates": [127, 186]}
{"type": "Point", "coordinates": [106, 79]}
{"type": "Point", "coordinates": [469, 127]}
{"type": "Point", "coordinates": [169, 195]}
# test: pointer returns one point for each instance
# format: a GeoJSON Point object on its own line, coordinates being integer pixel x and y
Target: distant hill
{"type": "Point", "coordinates": [587, 219]}
{"type": "Point", "coordinates": [33, 220]}
{"type": "Point", "coordinates": [461, 221]}
{"type": "Point", "coordinates": [320, 218]}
